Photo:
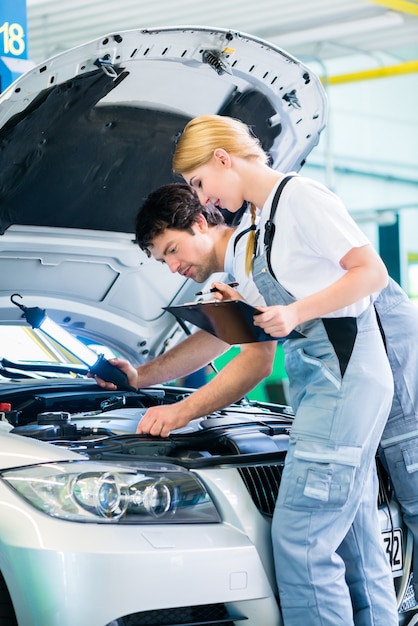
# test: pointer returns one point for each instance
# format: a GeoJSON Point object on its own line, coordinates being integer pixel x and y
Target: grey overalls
{"type": "Point", "coordinates": [341, 388]}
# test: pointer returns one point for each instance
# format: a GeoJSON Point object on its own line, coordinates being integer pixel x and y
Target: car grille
{"type": "Point", "coordinates": [262, 482]}
{"type": "Point", "coordinates": [203, 615]}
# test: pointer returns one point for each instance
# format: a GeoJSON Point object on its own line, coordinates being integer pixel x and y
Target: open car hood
{"type": "Point", "coordinates": [88, 134]}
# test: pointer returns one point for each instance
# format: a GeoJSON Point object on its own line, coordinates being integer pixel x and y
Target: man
{"type": "Point", "coordinates": [174, 228]}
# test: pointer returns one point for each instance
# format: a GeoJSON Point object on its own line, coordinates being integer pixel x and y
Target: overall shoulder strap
{"type": "Point", "coordinates": [270, 226]}
{"type": "Point", "coordinates": [242, 233]}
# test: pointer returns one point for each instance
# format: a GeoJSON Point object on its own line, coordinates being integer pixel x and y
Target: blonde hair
{"type": "Point", "coordinates": [199, 140]}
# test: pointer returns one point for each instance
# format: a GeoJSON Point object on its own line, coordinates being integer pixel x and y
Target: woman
{"type": "Point", "coordinates": [318, 273]}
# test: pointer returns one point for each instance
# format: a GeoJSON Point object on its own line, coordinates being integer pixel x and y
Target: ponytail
{"type": "Point", "coordinates": [249, 251]}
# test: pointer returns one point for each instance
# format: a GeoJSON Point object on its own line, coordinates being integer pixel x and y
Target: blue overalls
{"type": "Point", "coordinates": [331, 568]}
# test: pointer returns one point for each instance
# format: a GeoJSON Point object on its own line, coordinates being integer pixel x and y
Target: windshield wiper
{"type": "Point", "coordinates": [40, 366]}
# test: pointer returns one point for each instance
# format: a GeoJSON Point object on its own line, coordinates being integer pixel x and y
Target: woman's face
{"type": "Point", "coordinates": [217, 182]}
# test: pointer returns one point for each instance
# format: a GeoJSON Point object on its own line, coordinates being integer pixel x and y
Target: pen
{"type": "Point", "coordinates": [203, 293]}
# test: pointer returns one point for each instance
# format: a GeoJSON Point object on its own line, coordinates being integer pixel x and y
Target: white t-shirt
{"type": "Point", "coordinates": [235, 264]}
{"type": "Point", "coordinates": [313, 232]}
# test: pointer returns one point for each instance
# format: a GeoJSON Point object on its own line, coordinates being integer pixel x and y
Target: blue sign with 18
{"type": "Point", "coordinates": [13, 29]}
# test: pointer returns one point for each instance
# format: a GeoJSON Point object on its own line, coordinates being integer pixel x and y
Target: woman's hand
{"type": "Point", "coordinates": [278, 320]}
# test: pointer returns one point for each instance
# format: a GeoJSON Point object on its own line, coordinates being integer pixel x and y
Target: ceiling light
{"type": "Point", "coordinates": [341, 29]}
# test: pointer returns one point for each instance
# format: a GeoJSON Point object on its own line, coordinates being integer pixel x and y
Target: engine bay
{"type": "Point", "coordinates": [102, 425]}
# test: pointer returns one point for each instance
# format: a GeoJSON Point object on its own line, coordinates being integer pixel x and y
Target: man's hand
{"type": "Point", "coordinates": [124, 366]}
{"type": "Point", "coordinates": [161, 420]}
{"type": "Point", "coordinates": [253, 363]}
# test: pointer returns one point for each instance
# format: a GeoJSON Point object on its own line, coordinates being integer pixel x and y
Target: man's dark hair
{"type": "Point", "coordinates": [174, 206]}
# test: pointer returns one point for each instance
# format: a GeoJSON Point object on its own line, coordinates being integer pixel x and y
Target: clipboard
{"type": "Point", "coordinates": [229, 320]}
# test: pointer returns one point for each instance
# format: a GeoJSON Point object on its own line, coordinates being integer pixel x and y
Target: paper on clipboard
{"type": "Point", "coordinates": [229, 320]}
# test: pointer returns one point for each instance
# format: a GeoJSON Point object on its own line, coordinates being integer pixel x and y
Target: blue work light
{"type": "Point", "coordinates": [98, 365]}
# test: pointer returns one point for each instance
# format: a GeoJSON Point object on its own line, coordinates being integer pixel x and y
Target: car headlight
{"type": "Point", "coordinates": [86, 491]}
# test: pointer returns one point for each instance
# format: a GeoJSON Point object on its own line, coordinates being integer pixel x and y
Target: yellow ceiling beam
{"type": "Point", "coordinates": [407, 67]}
{"type": "Point", "coordinates": [404, 6]}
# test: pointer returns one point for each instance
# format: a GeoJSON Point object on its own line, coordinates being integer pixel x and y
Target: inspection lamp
{"type": "Point", "coordinates": [98, 365]}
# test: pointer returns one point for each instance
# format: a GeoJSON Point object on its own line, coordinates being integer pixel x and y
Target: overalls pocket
{"type": "Point", "coordinates": [322, 475]}
{"type": "Point", "coordinates": [401, 458]}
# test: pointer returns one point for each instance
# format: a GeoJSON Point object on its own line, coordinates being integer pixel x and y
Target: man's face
{"type": "Point", "coordinates": [191, 255]}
